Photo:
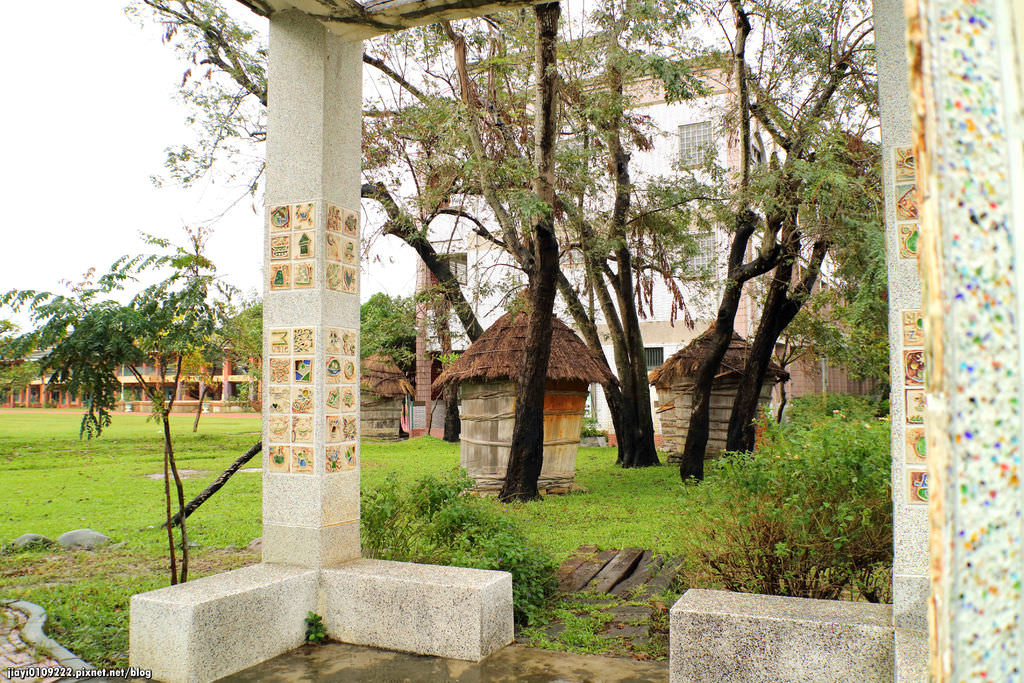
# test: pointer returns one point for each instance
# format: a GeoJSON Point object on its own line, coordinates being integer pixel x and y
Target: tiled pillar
{"type": "Point", "coordinates": [968, 86]}
{"type": "Point", "coordinates": [311, 296]}
{"type": "Point", "coordinates": [906, 333]}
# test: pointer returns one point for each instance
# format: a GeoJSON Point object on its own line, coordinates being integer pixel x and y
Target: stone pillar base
{"type": "Point", "coordinates": [206, 629]}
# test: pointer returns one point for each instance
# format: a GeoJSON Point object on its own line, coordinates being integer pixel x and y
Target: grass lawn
{"type": "Point", "coordinates": [52, 482]}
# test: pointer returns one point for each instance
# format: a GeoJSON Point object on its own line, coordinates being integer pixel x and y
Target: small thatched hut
{"type": "Point", "coordinates": [382, 391]}
{"type": "Point", "coordinates": [674, 382]}
{"type": "Point", "coordinates": [487, 374]}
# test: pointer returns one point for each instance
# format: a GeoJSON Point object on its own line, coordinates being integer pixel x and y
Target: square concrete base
{"type": "Point", "coordinates": [443, 611]}
{"type": "Point", "coordinates": [215, 626]}
{"type": "Point", "coordinates": [740, 637]}
{"type": "Point", "coordinates": [206, 629]}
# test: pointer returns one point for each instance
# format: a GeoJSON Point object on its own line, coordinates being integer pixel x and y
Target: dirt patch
{"type": "Point", "coordinates": [184, 474]}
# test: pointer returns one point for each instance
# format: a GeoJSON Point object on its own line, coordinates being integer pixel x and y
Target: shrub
{"type": "Point", "coordinates": [431, 521]}
{"type": "Point", "coordinates": [591, 428]}
{"type": "Point", "coordinates": [811, 514]}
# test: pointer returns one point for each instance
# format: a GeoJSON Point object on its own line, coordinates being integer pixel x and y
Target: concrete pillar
{"type": "Point", "coordinates": [311, 297]}
{"type": "Point", "coordinates": [967, 79]}
{"type": "Point", "coordinates": [906, 342]}
{"type": "Point", "coordinates": [225, 392]}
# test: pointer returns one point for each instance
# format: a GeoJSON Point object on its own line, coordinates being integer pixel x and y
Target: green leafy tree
{"type": "Point", "coordinates": [387, 327]}
{"type": "Point", "coordinates": [89, 336]}
{"type": "Point", "coordinates": [16, 373]}
{"type": "Point", "coordinates": [241, 329]}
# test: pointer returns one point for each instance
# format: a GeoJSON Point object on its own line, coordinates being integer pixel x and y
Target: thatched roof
{"type": "Point", "coordinates": [382, 377]}
{"type": "Point", "coordinates": [499, 353]}
{"type": "Point", "coordinates": [683, 363]}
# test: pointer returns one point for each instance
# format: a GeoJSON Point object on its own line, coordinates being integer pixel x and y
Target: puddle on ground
{"type": "Point", "coordinates": [338, 662]}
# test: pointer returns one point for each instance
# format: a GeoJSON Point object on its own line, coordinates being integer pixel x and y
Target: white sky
{"type": "Point", "coordinates": [88, 110]}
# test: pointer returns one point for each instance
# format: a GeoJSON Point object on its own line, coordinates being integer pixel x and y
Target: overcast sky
{"type": "Point", "coordinates": [88, 111]}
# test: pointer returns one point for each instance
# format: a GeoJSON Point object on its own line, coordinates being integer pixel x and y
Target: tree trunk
{"type": "Point", "coordinates": [169, 453]}
{"type": "Point", "coordinates": [526, 455]}
{"type": "Point", "coordinates": [782, 400]}
{"type": "Point", "coordinates": [167, 499]}
{"type": "Point", "coordinates": [784, 301]}
{"type": "Point", "coordinates": [452, 422]}
{"type": "Point", "coordinates": [217, 483]}
{"type": "Point", "coordinates": [199, 408]}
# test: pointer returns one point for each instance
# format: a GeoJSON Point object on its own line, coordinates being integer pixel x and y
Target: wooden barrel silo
{"type": "Point", "coordinates": [486, 372]}
{"type": "Point", "coordinates": [383, 389]}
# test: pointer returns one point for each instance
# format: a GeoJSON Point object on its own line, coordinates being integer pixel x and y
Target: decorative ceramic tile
{"type": "Point", "coordinates": [351, 455]}
{"type": "Point", "coordinates": [915, 445]}
{"type": "Point", "coordinates": [350, 224]}
{"type": "Point", "coordinates": [348, 369]}
{"type": "Point", "coordinates": [333, 370]}
{"type": "Point", "coordinates": [302, 339]}
{"type": "Point", "coordinates": [303, 275]}
{"type": "Point", "coordinates": [302, 400]}
{"type": "Point", "coordinates": [303, 216]}
{"type": "Point", "coordinates": [278, 457]}
{"type": "Point", "coordinates": [906, 202]}
{"type": "Point", "coordinates": [349, 400]}
{"type": "Point", "coordinates": [333, 252]}
{"type": "Point", "coordinates": [904, 165]}
{"type": "Point", "coordinates": [913, 329]}
{"type": "Point", "coordinates": [279, 343]}
{"type": "Point", "coordinates": [279, 370]}
{"type": "Point", "coordinates": [334, 276]}
{"type": "Point", "coordinates": [303, 244]}
{"type": "Point", "coordinates": [917, 492]}
{"type": "Point", "coordinates": [303, 370]}
{"type": "Point", "coordinates": [349, 280]}
{"type": "Point", "coordinates": [915, 403]}
{"type": "Point", "coordinates": [280, 218]}
{"type": "Point", "coordinates": [349, 342]}
{"type": "Point", "coordinates": [349, 251]}
{"type": "Point", "coordinates": [333, 398]}
{"type": "Point", "coordinates": [280, 248]}
{"type": "Point", "coordinates": [334, 218]}
{"type": "Point", "coordinates": [279, 428]}
{"type": "Point", "coordinates": [350, 426]}
{"type": "Point", "coordinates": [302, 429]}
{"type": "Point", "coordinates": [333, 429]}
{"type": "Point", "coordinates": [280, 276]}
{"type": "Point", "coordinates": [910, 239]}
{"type": "Point", "coordinates": [334, 340]}
{"type": "Point", "coordinates": [280, 399]}
{"type": "Point", "coordinates": [913, 367]}
{"type": "Point", "coordinates": [302, 459]}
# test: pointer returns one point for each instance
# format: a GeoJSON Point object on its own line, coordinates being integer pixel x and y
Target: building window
{"type": "Point", "coordinates": [459, 268]}
{"type": "Point", "coordinates": [654, 355]}
{"type": "Point", "coordinates": [705, 253]}
{"type": "Point", "coordinates": [695, 139]}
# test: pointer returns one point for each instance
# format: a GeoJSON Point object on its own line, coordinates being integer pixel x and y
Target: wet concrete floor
{"type": "Point", "coordinates": [338, 662]}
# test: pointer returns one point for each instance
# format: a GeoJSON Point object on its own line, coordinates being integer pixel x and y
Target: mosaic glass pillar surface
{"type": "Point", "coordinates": [966, 70]}
{"type": "Point", "coordinates": [311, 296]}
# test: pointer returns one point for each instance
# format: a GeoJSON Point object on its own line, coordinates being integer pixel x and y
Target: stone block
{"type": "Point", "coordinates": [741, 637]}
{"type": "Point", "coordinates": [427, 609]}
{"type": "Point", "coordinates": [310, 546]}
{"type": "Point", "coordinates": [212, 627]}
{"type": "Point", "coordinates": [911, 656]}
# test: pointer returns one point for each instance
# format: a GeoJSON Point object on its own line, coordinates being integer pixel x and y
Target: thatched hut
{"type": "Point", "coordinates": [674, 382]}
{"type": "Point", "coordinates": [382, 391]}
{"type": "Point", "coordinates": [487, 372]}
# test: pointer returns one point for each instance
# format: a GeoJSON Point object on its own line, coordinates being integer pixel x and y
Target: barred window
{"type": "Point", "coordinates": [706, 254]}
{"type": "Point", "coordinates": [654, 355]}
{"type": "Point", "coordinates": [459, 267]}
{"type": "Point", "coordinates": [695, 139]}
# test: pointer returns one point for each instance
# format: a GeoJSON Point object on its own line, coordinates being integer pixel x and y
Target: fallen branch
{"type": "Point", "coordinates": [217, 483]}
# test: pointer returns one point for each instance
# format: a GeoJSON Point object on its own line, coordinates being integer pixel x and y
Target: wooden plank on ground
{"type": "Point", "coordinates": [588, 570]}
{"type": "Point", "coordinates": [668, 571]}
{"type": "Point", "coordinates": [645, 568]}
{"type": "Point", "coordinates": [566, 569]}
{"type": "Point", "coordinates": [617, 569]}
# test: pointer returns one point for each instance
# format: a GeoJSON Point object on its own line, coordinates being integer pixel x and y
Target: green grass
{"type": "Point", "coordinates": [53, 482]}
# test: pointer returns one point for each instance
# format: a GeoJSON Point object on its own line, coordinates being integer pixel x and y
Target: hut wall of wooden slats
{"type": "Point", "coordinates": [379, 417]}
{"type": "Point", "coordinates": [488, 416]}
{"type": "Point", "coordinates": [674, 408]}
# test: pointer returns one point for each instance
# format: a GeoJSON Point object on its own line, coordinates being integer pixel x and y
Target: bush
{"type": "Point", "coordinates": [590, 428]}
{"type": "Point", "coordinates": [431, 521]}
{"type": "Point", "coordinates": [809, 410]}
{"type": "Point", "coordinates": [811, 514]}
